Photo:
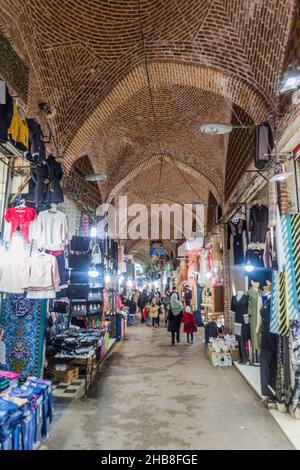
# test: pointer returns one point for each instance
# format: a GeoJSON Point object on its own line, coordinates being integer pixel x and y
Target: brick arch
{"type": "Point", "coordinates": [140, 172]}
{"type": "Point", "coordinates": [168, 74]}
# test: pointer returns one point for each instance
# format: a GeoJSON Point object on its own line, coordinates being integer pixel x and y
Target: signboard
{"type": "Point", "coordinates": [157, 249]}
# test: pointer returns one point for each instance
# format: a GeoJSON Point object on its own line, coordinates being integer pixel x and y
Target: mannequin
{"type": "Point", "coordinates": [254, 307]}
{"type": "Point", "coordinates": [268, 351]}
{"type": "Point", "coordinates": [239, 305]}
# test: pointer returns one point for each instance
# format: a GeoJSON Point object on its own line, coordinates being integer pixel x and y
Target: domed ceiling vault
{"type": "Point", "coordinates": [208, 60]}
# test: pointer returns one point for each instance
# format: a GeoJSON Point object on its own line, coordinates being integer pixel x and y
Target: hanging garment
{"type": "Point", "coordinates": [237, 229]}
{"type": "Point", "coordinates": [55, 194]}
{"type": "Point", "coordinates": [272, 187]}
{"type": "Point", "coordinates": [18, 131]}
{"type": "Point", "coordinates": [283, 379]}
{"type": "Point", "coordinates": [241, 323]}
{"type": "Point", "coordinates": [295, 236]}
{"type": "Point", "coordinates": [37, 149]}
{"type": "Point", "coordinates": [274, 314]}
{"type": "Point", "coordinates": [268, 353]}
{"type": "Point", "coordinates": [255, 256]}
{"type": "Point", "coordinates": [24, 324]}
{"type": "Point", "coordinates": [42, 272]}
{"type": "Point", "coordinates": [51, 230]}
{"type": "Point", "coordinates": [268, 251]}
{"type": "Point", "coordinates": [13, 273]}
{"type": "Point", "coordinates": [258, 223]}
{"type": "Point", "coordinates": [61, 263]}
{"type": "Point", "coordinates": [283, 310]}
{"type": "Point", "coordinates": [253, 311]}
{"type": "Point", "coordinates": [295, 367]}
{"type": "Point", "coordinates": [84, 228]}
{"type": "Point", "coordinates": [20, 217]}
{"type": "Point", "coordinates": [6, 114]}
{"type": "Point", "coordinates": [288, 266]}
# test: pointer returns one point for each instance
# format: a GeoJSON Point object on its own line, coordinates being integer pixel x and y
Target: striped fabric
{"type": "Point", "coordinates": [283, 311]}
{"type": "Point", "coordinates": [295, 235]}
{"type": "Point", "coordinates": [274, 322]}
{"type": "Point", "coordinates": [288, 262]}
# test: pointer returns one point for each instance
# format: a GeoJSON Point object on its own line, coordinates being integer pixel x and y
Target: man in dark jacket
{"type": "Point", "coordinates": [143, 300]}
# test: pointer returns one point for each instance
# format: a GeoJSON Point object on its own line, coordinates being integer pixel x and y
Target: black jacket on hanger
{"type": "Point", "coordinates": [236, 229]}
{"type": "Point", "coordinates": [55, 175]}
{"type": "Point", "coordinates": [258, 225]}
{"type": "Point", "coordinates": [6, 114]}
{"type": "Point", "coordinates": [37, 149]}
{"type": "Point", "coordinates": [240, 308]}
{"type": "Point", "coordinates": [47, 179]}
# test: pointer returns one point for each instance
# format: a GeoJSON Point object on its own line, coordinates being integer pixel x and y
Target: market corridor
{"type": "Point", "coordinates": [153, 396]}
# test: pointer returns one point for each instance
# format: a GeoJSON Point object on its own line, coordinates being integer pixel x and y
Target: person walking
{"type": "Point", "coordinates": [166, 304]}
{"type": "Point", "coordinates": [154, 314]}
{"type": "Point", "coordinates": [143, 300]}
{"type": "Point", "coordinates": [189, 324]}
{"type": "Point", "coordinates": [174, 317]}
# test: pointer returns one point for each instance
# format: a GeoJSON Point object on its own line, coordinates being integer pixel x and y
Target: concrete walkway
{"type": "Point", "coordinates": [154, 396]}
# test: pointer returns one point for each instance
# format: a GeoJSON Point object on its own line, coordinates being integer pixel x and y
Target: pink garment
{"type": "Point", "coordinates": [20, 217]}
{"type": "Point", "coordinates": [43, 272]}
{"type": "Point", "coordinates": [119, 303]}
{"type": "Point", "coordinates": [9, 375]}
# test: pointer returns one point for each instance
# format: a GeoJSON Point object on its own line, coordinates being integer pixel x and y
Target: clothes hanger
{"type": "Point", "coordinates": [53, 208]}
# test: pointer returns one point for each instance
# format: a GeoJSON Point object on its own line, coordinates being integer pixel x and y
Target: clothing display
{"type": "Point", "coordinates": [236, 229]}
{"type": "Point", "coordinates": [239, 305]}
{"type": "Point", "coordinates": [20, 218]}
{"type": "Point", "coordinates": [18, 131]}
{"type": "Point", "coordinates": [13, 273]}
{"type": "Point", "coordinates": [37, 149]}
{"type": "Point", "coordinates": [258, 224]}
{"type": "Point", "coordinates": [6, 114]}
{"type": "Point", "coordinates": [272, 187]}
{"type": "Point", "coordinates": [51, 230]}
{"type": "Point", "coordinates": [254, 306]}
{"type": "Point", "coordinates": [42, 276]}
{"type": "Point", "coordinates": [268, 352]}
{"type": "Point", "coordinates": [61, 263]}
{"type": "Point", "coordinates": [268, 251]}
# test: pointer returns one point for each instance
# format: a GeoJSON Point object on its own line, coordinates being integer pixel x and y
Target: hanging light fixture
{"type": "Point", "coordinates": [96, 177]}
{"type": "Point", "coordinates": [93, 271]}
{"type": "Point", "coordinates": [291, 80]}
{"type": "Point", "coordinates": [249, 268]}
{"type": "Point", "coordinates": [280, 173]}
{"type": "Point", "coordinates": [216, 128]}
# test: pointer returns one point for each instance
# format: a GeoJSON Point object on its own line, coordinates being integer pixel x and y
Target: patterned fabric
{"type": "Point", "coordinates": [283, 317]}
{"type": "Point", "coordinates": [289, 267]}
{"type": "Point", "coordinates": [274, 322]}
{"type": "Point", "coordinates": [24, 326]}
{"type": "Point", "coordinates": [295, 229]}
{"type": "Point", "coordinates": [295, 366]}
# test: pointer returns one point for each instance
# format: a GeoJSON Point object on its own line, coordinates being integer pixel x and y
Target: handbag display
{"type": "Point", "coordinates": [95, 295]}
{"type": "Point", "coordinates": [81, 244]}
{"type": "Point", "coordinates": [96, 257]}
{"type": "Point", "coordinates": [79, 262]}
{"type": "Point", "coordinates": [78, 310]}
{"type": "Point", "coordinates": [60, 307]}
{"type": "Point", "coordinates": [78, 292]}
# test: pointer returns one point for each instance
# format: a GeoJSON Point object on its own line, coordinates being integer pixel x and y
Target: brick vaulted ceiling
{"type": "Point", "coordinates": [208, 60]}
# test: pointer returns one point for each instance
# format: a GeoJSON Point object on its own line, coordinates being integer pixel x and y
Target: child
{"type": "Point", "coordinates": [189, 324]}
{"type": "Point", "coordinates": [154, 314]}
{"type": "Point", "coordinates": [211, 329]}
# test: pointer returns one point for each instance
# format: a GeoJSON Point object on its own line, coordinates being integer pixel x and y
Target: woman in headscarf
{"type": "Point", "coordinates": [175, 314]}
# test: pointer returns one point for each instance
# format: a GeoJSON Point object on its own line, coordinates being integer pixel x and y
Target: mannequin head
{"type": "Point", "coordinates": [268, 287]}
{"type": "Point", "coordinates": [255, 285]}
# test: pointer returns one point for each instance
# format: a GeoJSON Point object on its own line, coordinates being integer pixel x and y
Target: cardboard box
{"type": "Point", "coordinates": [235, 354]}
{"type": "Point", "coordinates": [221, 359]}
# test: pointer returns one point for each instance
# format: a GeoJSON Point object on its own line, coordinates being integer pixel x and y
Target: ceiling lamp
{"type": "Point", "coordinates": [291, 80]}
{"type": "Point", "coordinates": [96, 177]}
{"type": "Point", "coordinates": [216, 128]}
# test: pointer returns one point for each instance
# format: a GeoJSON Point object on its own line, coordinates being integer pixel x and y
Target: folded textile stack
{"type": "Point", "coordinates": [74, 343]}
{"type": "Point", "coordinates": [11, 377]}
{"type": "Point", "coordinates": [25, 413]}
{"type": "Point", "coordinates": [4, 383]}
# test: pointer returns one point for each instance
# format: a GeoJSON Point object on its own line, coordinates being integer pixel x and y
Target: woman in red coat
{"type": "Point", "coordinates": [189, 324]}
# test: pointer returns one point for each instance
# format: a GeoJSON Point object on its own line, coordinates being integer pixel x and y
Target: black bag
{"type": "Point", "coordinates": [78, 292]}
{"type": "Point", "coordinates": [81, 244]}
{"type": "Point", "coordinates": [79, 277]}
{"type": "Point", "coordinates": [60, 307]}
{"type": "Point", "coordinates": [79, 262]}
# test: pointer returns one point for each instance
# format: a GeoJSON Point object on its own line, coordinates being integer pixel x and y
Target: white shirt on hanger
{"type": "Point", "coordinates": [51, 230]}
